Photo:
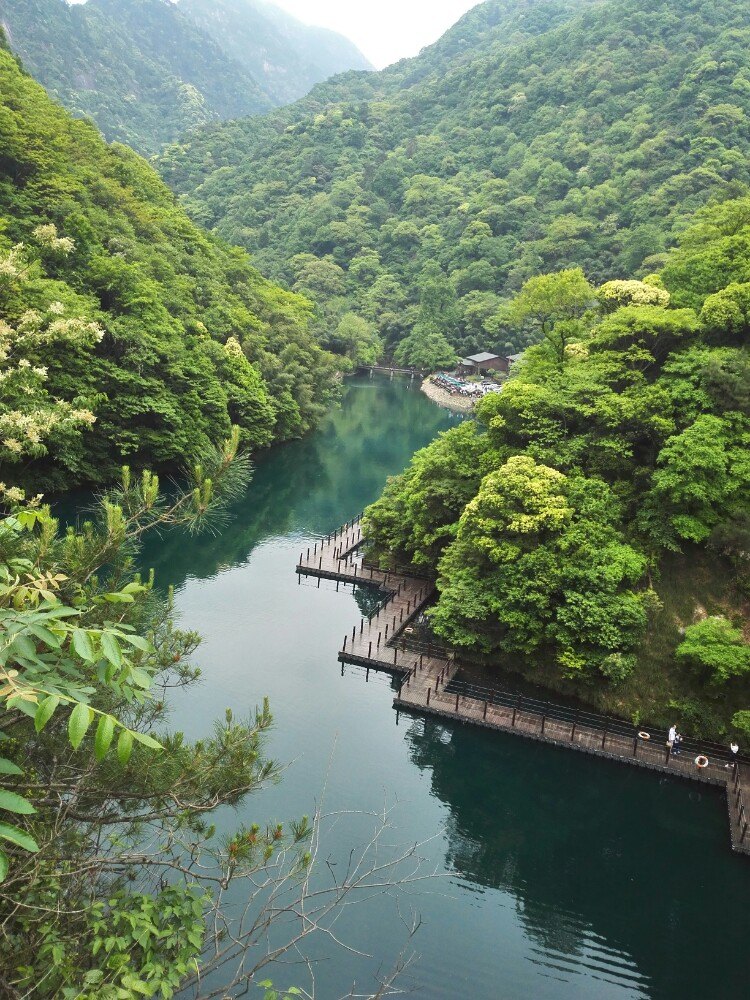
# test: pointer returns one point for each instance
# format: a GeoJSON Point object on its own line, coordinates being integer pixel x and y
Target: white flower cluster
{"type": "Point", "coordinates": [28, 414]}
{"type": "Point", "coordinates": [46, 236]}
{"type": "Point", "coordinates": [13, 266]}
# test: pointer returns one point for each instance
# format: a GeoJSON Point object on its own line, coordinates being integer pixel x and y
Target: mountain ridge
{"type": "Point", "coordinates": [571, 134]}
{"type": "Point", "coordinates": [147, 72]}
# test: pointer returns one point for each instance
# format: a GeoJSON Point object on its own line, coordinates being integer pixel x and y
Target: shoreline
{"type": "Point", "coordinates": [459, 404]}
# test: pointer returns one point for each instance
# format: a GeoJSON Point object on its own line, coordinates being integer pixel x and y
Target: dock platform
{"type": "Point", "coordinates": [431, 684]}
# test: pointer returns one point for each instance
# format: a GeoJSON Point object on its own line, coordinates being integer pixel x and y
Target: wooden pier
{"type": "Point", "coordinates": [430, 685]}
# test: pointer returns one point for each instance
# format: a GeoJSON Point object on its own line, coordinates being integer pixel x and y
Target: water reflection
{"type": "Point", "coordinates": [312, 485]}
{"type": "Point", "coordinates": [616, 874]}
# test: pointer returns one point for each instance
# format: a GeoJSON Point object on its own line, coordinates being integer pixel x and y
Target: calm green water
{"type": "Point", "coordinates": [567, 877]}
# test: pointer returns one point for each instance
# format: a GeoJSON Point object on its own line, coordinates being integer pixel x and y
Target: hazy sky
{"type": "Point", "coordinates": [384, 30]}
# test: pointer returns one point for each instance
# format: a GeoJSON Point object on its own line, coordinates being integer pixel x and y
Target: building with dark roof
{"type": "Point", "coordinates": [484, 362]}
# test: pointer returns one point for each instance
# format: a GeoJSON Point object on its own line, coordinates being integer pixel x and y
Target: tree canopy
{"type": "Point", "coordinates": [620, 438]}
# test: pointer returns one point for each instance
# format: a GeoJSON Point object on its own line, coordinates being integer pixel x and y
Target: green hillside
{"type": "Point", "coordinates": [533, 136]}
{"type": "Point", "coordinates": [90, 235]}
{"type": "Point", "coordinates": [147, 71]}
{"type": "Point", "coordinates": [590, 530]}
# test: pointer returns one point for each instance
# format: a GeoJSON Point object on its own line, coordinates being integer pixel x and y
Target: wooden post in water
{"type": "Point", "coordinates": [573, 730]}
{"type": "Point", "coordinates": [428, 695]}
{"type": "Point", "coordinates": [515, 709]}
{"type": "Point", "coordinates": [484, 713]}
{"type": "Point", "coordinates": [369, 650]}
{"type": "Point", "coordinates": [457, 696]}
{"type": "Point", "coordinates": [395, 654]}
{"type": "Point", "coordinates": [544, 718]}
{"type": "Point", "coordinates": [604, 734]}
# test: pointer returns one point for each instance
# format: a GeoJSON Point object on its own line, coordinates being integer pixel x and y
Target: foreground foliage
{"type": "Point", "coordinates": [120, 874]}
{"type": "Point", "coordinates": [622, 438]}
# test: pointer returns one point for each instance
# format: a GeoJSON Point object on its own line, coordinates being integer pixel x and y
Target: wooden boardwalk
{"type": "Point", "coordinates": [429, 684]}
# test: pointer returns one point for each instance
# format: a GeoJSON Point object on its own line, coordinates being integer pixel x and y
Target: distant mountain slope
{"type": "Point", "coordinates": [287, 56]}
{"type": "Point", "coordinates": [146, 72]}
{"type": "Point", "coordinates": [531, 137]}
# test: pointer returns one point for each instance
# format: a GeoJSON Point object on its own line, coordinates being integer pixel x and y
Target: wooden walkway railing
{"type": "Point", "coordinates": [430, 685]}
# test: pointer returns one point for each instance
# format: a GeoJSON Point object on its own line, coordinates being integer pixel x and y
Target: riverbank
{"type": "Point", "coordinates": [459, 404]}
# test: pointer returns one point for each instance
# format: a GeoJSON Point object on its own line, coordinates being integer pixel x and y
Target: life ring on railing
{"type": "Point", "coordinates": [643, 735]}
{"type": "Point", "coordinates": [701, 761]}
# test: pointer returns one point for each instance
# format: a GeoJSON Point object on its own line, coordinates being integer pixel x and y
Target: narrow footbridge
{"type": "Point", "coordinates": [431, 683]}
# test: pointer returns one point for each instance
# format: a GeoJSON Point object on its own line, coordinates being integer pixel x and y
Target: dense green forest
{"type": "Point", "coordinates": [156, 334]}
{"type": "Point", "coordinates": [534, 136]}
{"type": "Point", "coordinates": [591, 529]}
{"type": "Point", "coordinates": [146, 71]}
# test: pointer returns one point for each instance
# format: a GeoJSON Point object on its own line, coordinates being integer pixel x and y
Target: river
{"type": "Point", "coordinates": [567, 877]}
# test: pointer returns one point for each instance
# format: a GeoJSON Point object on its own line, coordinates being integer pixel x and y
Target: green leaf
{"type": "Point", "coordinates": [24, 647]}
{"type": "Point", "coordinates": [18, 837]}
{"type": "Point", "coordinates": [82, 644]}
{"type": "Point", "coordinates": [22, 704]}
{"type": "Point", "coordinates": [147, 741]}
{"type": "Point", "coordinates": [45, 711]}
{"type": "Point", "coordinates": [104, 732]}
{"type": "Point", "coordinates": [8, 767]}
{"type": "Point", "coordinates": [79, 722]}
{"type": "Point", "coordinates": [3, 865]}
{"type": "Point", "coordinates": [44, 634]}
{"type": "Point", "coordinates": [139, 642]}
{"type": "Point", "coordinates": [111, 649]}
{"type": "Point", "coordinates": [141, 678]}
{"type": "Point", "coordinates": [14, 803]}
{"type": "Point", "coordinates": [124, 746]}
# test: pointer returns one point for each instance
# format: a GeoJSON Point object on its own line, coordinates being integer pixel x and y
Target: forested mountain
{"type": "Point", "coordinates": [129, 321]}
{"type": "Point", "coordinates": [591, 529]}
{"type": "Point", "coordinates": [287, 56]}
{"type": "Point", "coordinates": [147, 71]}
{"type": "Point", "coordinates": [533, 136]}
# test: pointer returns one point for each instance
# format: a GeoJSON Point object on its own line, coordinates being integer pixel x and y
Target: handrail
{"type": "Point", "coordinates": [562, 713]}
{"type": "Point", "coordinates": [398, 569]}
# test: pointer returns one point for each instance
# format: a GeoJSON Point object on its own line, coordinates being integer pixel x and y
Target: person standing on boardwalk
{"type": "Point", "coordinates": [734, 752]}
{"type": "Point", "coordinates": [671, 736]}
